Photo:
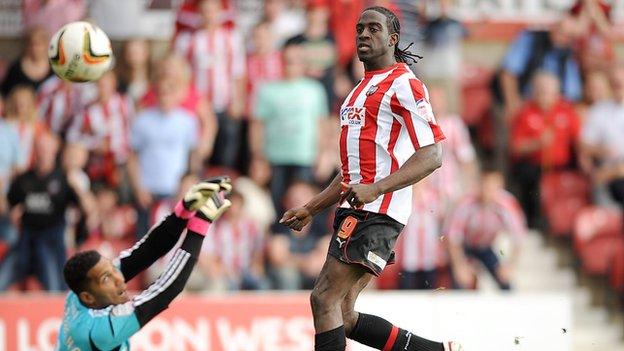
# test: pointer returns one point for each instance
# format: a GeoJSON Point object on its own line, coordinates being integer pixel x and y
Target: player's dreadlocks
{"type": "Point", "coordinates": [392, 22]}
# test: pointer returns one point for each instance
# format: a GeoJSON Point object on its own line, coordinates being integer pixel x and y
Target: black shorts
{"type": "Point", "coordinates": [364, 238]}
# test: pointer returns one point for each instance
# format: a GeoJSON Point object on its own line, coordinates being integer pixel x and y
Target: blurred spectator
{"type": "Point", "coordinates": [217, 57]}
{"type": "Point", "coordinates": [234, 257]}
{"type": "Point", "coordinates": [285, 22]}
{"type": "Point", "coordinates": [60, 101]}
{"type": "Point", "coordinates": [264, 63]}
{"type": "Point", "coordinates": [419, 248]}
{"type": "Point", "coordinates": [474, 225]}
{"type": "Point", "coordinates": [116, 221]}
{"type": "Point", "coordinates": [344, 15]}
{"type": "Point", "coordinates": [319, 49]}
{"type": "Point", "coordinates": [189, 19]}
{"type": "Point", "coordinates": [175, 68]}
{"type": "Point", "coordinates": [441, 65]}
{"type": "Point", "coordinates": [412, 22]}
{"type": "Point", "coordinates": [543, 136]}
{"type": "Point", "coordinates": [597, 90]}
{"type": "Point", "coordinates": [595, 48]}
{"type": "Point", "coordinates": [293, 257]}
{"type": "Point", "coordinates": [74, 160]}
{"type": "Point", "coordinates": [258, 204]}
{"type": "Point", "coordinates": [133, 68]}
{"type": "Point", "coordinates": [286, 129]}
{"type": "Point", "coordinates": [458, 171]}
{"type": "Point", "coordinates": [602, 155]}
{"type": "Point", "coordinates": [103, 128]}
{"type": "Point", "coordinates": [41, 196]}
{"type": "Point", "coordinates": [534, 50]}
{"type": "Point", "coordinates": [9, 164]}
{"type": "Point", "coordinates": [162, 139]}
{"type": "Point", "coordinates": [52, 14]}
{"type": "Point", "coordinates": [32, 67]}
{"type": "Point", "coordinates": [22, 115]}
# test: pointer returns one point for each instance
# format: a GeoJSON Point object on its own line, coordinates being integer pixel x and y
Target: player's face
{"type": "Point", "coordinates": [106, 285]}
{"type": "Point", "coordinates": [373, 39]}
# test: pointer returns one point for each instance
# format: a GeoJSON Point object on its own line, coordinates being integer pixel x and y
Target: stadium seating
{"type": "Point", "coordinates": [563, 195]}
{"type": "Point", "coordinates": [598, 238]}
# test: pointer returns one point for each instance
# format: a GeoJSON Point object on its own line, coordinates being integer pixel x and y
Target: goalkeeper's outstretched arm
{"type": "Point", "coordinates": [125, 320]}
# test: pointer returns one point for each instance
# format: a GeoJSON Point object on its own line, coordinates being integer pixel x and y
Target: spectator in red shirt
{"type": "Point", "coordinates": [189, 19]}
{"type": "Point", "coordinates": [595, 48]}
{"type": "Point", "coordinates": [543, 136]}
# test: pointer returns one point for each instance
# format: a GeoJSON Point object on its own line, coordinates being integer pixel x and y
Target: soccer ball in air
{"type": "Point", "coordinates": [80, 52]}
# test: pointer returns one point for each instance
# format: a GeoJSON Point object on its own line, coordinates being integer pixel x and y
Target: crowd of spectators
{"type": "Point", "coordinates": [254, 94]}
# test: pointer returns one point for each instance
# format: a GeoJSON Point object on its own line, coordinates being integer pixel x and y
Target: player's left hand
{"type": "Point", "coordinates": [359, 194]}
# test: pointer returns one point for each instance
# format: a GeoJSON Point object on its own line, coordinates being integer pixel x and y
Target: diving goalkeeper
{"type": "Point", "coordinates": [99, 314]}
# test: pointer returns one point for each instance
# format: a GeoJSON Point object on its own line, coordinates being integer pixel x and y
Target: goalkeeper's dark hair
{"type": "Point", "coordinates": [392, 22]}
{"type": "Point", "coordinates": [77, 267]}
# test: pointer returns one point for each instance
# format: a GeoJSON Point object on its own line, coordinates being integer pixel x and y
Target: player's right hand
{"type": "Point", "coordinates": [296, 218]}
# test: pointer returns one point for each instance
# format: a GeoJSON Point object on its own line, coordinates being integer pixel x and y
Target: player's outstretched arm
{"type": "Point", "coordinates": [161, 238]}
{"type": "Point", "coordinates": [125, 320]}
{"type": "Point", "coordinates": [298, 218]}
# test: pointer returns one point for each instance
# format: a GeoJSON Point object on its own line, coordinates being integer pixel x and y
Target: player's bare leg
{"type": "Point", "coordinates": [380, 334]}
{"type": "Point", "coordinates": [332, 286]}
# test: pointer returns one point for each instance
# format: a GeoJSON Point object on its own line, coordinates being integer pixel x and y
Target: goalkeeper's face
{"type": "Point", "coordinates": [106, 285]}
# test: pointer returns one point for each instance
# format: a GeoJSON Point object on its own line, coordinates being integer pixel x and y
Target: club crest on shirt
{"type": "Point", "coordinates": [352, 116]}
{"type": "Point", "coordinates": [372, 90]}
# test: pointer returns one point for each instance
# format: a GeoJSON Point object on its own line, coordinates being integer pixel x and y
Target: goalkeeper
{"type": "Point", "coordinates": [99, 314]}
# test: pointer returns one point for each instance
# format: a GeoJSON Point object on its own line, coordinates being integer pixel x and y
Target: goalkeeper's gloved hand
{"type": "Point", "coordinates": [199, 193]}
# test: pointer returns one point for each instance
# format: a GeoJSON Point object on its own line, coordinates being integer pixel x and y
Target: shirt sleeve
{"type": "Point", "coordinates": [113, 328]}
{"type": "Point", "coordinates": [410, 104]}
{"type": "Point", "coordinates": [518, 55]}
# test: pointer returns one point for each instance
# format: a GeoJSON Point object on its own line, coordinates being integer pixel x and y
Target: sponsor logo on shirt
{"type": "Point", "coordinates": [353, 116]}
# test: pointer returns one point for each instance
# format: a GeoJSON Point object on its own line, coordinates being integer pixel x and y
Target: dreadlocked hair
{"type": "Point", "coordinates": [392, 22]}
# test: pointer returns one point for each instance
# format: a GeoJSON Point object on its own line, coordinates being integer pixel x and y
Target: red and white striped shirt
{"type": "Point", "coordinates": [384, 120]}
{"type": "Point", "coordinates": [419, 247]}
{"type": "Point", "coordinates": [261, 69]}
{"type": "Point", "coordinates": [105, 126]}
{"type": "Point", "coordinates": [475, 224]}
{"type": "Point", "coordinates": [234, 243]}
{"type": "Point", "coordinates": [217, 59]}
{"type": "Point", "coordinates": [60, 101]}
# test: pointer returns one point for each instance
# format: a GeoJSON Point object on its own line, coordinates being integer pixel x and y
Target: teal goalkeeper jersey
{"type": "Point", "coordinates": [85, 329]}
